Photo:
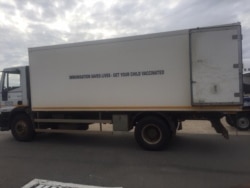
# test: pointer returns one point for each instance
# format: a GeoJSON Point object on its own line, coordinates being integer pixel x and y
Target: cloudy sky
{"type": "Point", "coordinates": [25, 24]}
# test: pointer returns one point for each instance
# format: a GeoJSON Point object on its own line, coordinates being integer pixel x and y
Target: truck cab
{"type": "Point", "coordinates": [13, 93]}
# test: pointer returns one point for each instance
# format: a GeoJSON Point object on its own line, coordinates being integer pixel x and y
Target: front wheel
{"type": "Point", "coordinates": [22, 129]}
{"type": "Point", "coordinates": [152, 133]}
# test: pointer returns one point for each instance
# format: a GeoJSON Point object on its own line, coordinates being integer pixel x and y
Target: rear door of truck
{"type": "Point", "coordinates": [216, 65]}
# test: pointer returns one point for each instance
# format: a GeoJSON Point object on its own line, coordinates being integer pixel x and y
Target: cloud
{"type": "Point", "coordinates": [26, 24]}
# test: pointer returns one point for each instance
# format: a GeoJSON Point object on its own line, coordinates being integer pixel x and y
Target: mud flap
{"type": "Point", "coordinates": [217, 125]}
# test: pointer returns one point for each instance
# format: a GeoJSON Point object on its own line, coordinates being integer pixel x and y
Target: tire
{"type": "Point", "coordinates": [152, 133]}
{"type": "Point", "coordinates": [242, 123]}
{"type": "Point", "coordinates": [22, 128]}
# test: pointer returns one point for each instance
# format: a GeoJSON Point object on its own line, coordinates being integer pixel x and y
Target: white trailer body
{"type": "Point", "coordinates": [172, 70]}
{"type": "Point", "coordinates": [151, 83]}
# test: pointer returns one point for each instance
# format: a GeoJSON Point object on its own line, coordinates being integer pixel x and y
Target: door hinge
{"type": "Point", "coordinates": [235, 66]}
{"type": "Point", "coordinates": [236, 94]}
{"type": "Point", "coordinates": [234, 37]}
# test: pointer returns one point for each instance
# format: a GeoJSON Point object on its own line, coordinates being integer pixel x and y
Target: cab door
{"type": "Point", "coordinates": [13, 87]}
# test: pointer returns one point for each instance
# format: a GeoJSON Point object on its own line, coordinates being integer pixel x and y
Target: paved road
{"type": "Point", "coordinates": [192, 160]}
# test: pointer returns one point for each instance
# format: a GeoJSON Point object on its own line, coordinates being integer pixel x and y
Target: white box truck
{"type": "Point", "coordinates": [151, 83]}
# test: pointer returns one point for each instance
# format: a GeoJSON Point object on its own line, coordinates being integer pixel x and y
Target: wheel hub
{"type": "Point", "coordinates": [151, 134]}
{"type": "Point", "coordinates": [21, 128]}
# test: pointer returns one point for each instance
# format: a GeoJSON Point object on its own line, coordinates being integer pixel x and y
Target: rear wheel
{"type": "Point", "coordinates": [152, 133]}
{"type": "Point", "coordinates": [22, 129]}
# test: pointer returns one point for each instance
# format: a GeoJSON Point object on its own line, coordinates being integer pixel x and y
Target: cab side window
{"type": "Point", "coordinates": [11, 81]}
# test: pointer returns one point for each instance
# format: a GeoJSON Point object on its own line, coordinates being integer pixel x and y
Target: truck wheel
{"type": "Point", "coordinates": [152, 133]}
{"type": "Point", "coordinates": [22, 129]}
{"type": "Point", "coordinates": [243, 123]}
